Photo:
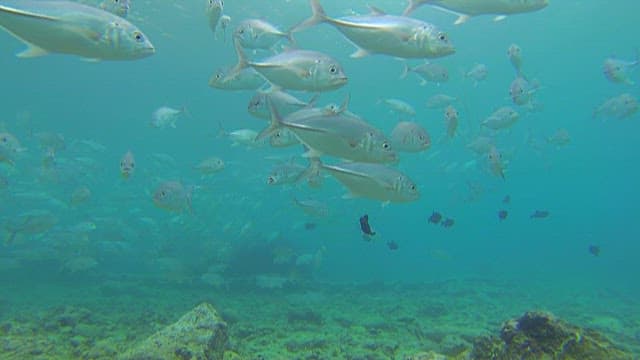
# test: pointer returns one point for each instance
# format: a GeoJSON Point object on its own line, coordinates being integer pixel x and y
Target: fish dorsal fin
{"type": "Point", "coordinates": [376, 11]}
{"type": "Point", "coordinates": [18, 12]}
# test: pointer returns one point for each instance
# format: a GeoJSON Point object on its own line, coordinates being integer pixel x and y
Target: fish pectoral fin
{"type": "Point", "coordinates": [19, 12]}
{"type": "Point", "coordinates": [32, 51]}
{"type": "Point", "coordinates": [499, 18]}
{"type": "Point", "coordinates": [462, 18]}
{"type": "Point", "coordinates": [360, 53]}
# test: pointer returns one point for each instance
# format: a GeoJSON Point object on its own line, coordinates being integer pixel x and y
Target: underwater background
{"type": "Point", "coordinates": [250, 251]}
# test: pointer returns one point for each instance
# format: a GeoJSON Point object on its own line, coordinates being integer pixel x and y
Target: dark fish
{"type": "Point", "coordinates": [448, 223]}
{"type": "Point", "coordinates": [594, 250]}
{"type": "Point", "coordinates": [506, 199]}
{"type": "Point", "coordinates": [364, 225]}
{"type": "Point", "coordinates": [539, 214]}
{"type": "Point", "coordinates": [435, 217]}
{"type": "Point", "coordinates": [309, 226]}
{"type": "Point", "coordinates": [502, 214]}
{"type": "Point", "coordinates": [393, 245]}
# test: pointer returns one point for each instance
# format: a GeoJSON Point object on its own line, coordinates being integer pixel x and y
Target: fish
{"type": "Point", "coordinates": [213, 10]}
{"type": "Point", "coordinates": [225, 22]}
{"type": "Point", "coordinates": [247, 137]}
{"type": "Point", "coordinates": [514, 53]}
{"type": "Point", "coordinates": [342, 134]}
{"type": "Point", "coordinates": [594, 250]}
{"type": "Point", "coordinates": [428, 72]}
{"type": "Point", "coordinates": [210, 165]}
{"type": "Point", "coordinates": [259, 34]}
{"type": "Point", "coordinates": [117, 7]}
{"type": "Point", "coordinates": [618, 107]}
{"type": "Point", "coordinates": [440, 101]}
{"type": "Point", "coordinates": [502, 118]}
{"type": "Point", "coordinates": [496, 165]}
{"type": "Point", "coordinates": [165, 117]}
{"type": "Point", "coordinates": [448, 223]}
{"type": "Point", "coordinates": [127, 165]}
{"type": "Point", "coordinates": [410, 137]}
{"type": "Point", "coordinates": [312, 207]}
{"type": "Point", "coordinates": [7, 156]}
{"type": "Point", "coordinates": [286, 173]}
{"type": "Point", "coordinates": [560, 137]}
{"type": "Point", "coordinates": [173, 196]}
{"type": "Point", "coordinates": [283, 138]}
{"type": "Point", "coordinates": [502, 215]}
{"type": "Point", "coordinates": [365, 227]}
{"type": "Point", "coordinates": [31, 223]}
{"type": "Point", "coordinates": [398, 106]}
{"type": "Point", "coordinates": [521, 91]}
{"type": "Point", "coordinates": [10, 143]}
{"type": "Point", "coordinates": [465, 9]}
{"type": "Point", "coordinates": [80, 195]}
{"type": "Point", "coordinates": [380, 33]}
{"type": "Point", "coordinates": [451, 116]}
{"type": "Point", "coordinates": [225, 78]}
{"type": "Point", "coordinates": [477, 73]}
{"type": "Point", "coordinates": [539, 214]}
{"type": "Point", "coordinates": [372, 181]}
{"type": "Point", "coordinates": [295, 69]}
{"type": "Point", "coordinates": [284, 102]}
{"type": "Point", "coordinates": [66, 27]}
{"type": "Point", "coordinates": [392, 245]}
{"type": "Point", "coordinates": [435, 218]}
{"type": "Point", "coordinates": [617, 70]}
{"type": "Point", "coordinates": [480, 145]}
{"type": "Point", "coordinates": [51, 141]}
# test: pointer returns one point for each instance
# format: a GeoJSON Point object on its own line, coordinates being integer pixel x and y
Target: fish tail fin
{"type": "Point", "coordinates": [243, 62]}
{"type": "Point", "coordinates": [312, 171]}
{"type": "Point", "coordinates": [318, 17]}
{"type": "Point", "coordinates": [275, 124]}
{"type": "Point", "coordinates": [414, 4]}
{"type": "Point", "coordinates": [405, 71]}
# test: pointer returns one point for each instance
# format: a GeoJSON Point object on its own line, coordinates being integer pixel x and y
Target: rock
{"type": "Point", "coordinates": [198, 335]}
{"type": "Point", "coordinates": [538, 335]}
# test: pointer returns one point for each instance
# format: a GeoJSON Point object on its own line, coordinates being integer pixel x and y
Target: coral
{"type": "Point", "coordinates": [538, 335]}
{"type": "Point", "coordinates": [199, 334]}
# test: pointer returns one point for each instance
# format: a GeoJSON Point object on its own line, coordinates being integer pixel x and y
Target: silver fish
{"type": "Point", "coordinates": [165, 116]}
{"type": "Point", "coordinates": [477, 73]}
{"type": "Point", "coordinates": [283, 138]}
{"type": "Point", "coordinates": [502, 118]}
{"type": "Point", "coordinates": [617, 107]}
{"type": "Point", "coordinates": [399, 106]}
{"type": "Point", "coordinates": [173, 196]}
{"type": "Point", "coordinates": [118, 7]}
{"type": "Point", "coordinates": [617, 71]}
{"type": "Point", "coordinates": [229, 79]}
{"type": "Point", "coordinates": [380, 33]}
{"type": "Point", "coordinates": [210, 165]}
{"type": "Point", "coordinates": [440, 101]}
{"type": "Point", "coordinates": [213, 11]}
{"type": "Point", "coordinates": [465, 9]}
{"type": "Point", "coordinates": [410, 137]}
{"type": "Point", "coordinates": [67, 27]}
{"type": "Point", "coordinates": [312, 207]}
{"type": "Point", "coordinates": [302, 70]}
{"type": "Point", "coordinates": [373, 181]}
{"type": "Point", "coordinates": [259, 34]}
{"type": "Point", "coordinates": [428, 72]}
{"type": "Point", "coordinates": [127, 165]}
{"type": "Point", "coordinates": [284, 102]}
{"type": "Point", "coordinates": [287, 173]}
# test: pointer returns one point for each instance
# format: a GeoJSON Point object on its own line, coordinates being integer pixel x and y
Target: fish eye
{"type": "Point", "coordinates": [163, 193]}
{"type": "Point", "coordinates": [412, 187]}
{"type": "Point", "coordinates": [333, 69]}
{"type": "Point", "coordinates": [138, 36]}
{"type": "Point", "coordinates": [386, 146]}
{"type": "Point", "coordinates": [442, 37]}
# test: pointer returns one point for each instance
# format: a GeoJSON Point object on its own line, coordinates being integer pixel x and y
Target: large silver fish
{"type": "Point", "coordinates": [259, 34]}
{"type": "Point", "coordinates": [339, 133]}
{"type": "Point", "coordinates": [283, 101]}
{"type": "Point", "coordinates": [67, 27]}
{"type": "Point", "coordinates": [380, 33]}
{"type": "Point", "coordinates": [465, 9]}
{"type": "Point", "coordinates": [302, 70]}
{"type": "Point", "coordinates": [373, 181]}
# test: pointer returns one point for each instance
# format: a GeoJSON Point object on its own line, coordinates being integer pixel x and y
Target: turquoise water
{"type": "Point", "coordinates": [239, 224]}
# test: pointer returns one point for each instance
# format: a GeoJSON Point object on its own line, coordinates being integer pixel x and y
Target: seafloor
{"type": "Point", "coordinates": [93, 320]}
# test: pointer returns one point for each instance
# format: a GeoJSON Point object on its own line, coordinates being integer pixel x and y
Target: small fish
{"type": "Point", "coordinates": [165, 116]}
{"type": "Point", "coordinates": [477, 73]}
{"type": "Point", "coordinates": [594, 250]}
{"type": "Point", "coordinates": [246, 137]}
{"type": "Point", "coordinates": [392, 245]}
{"type": "Point", "coordinates": [410, 137]}
{"type": "Point", "coordinates": [514, 53]}
{"type": "Point", "coordinates": [213, 11]}
{"type": "Point", "coordinates": [312, 207]}
{"type": "Point", "coordinates": [440, 101]}
{"type": "Point", "coordinates": [10, 143]}
{"type": "Point", "coordinates": [502, 118]}
{"type": "Point", "coordinates": [502, 214]}
{"type": "Point", "coordinates": [539, 214]}
{"type": "Point", "coordinates": [259, 34]}
{"type": "Point", "coordinates": [283, 102]}
{"type": "Point", "coordinates": [228, 79]}
{"type": "Point", "coordinates": [68, 27]}
{"type": "Point", "coordinates": [618, 107]}
{"type": "Point", "coordinates": [127, 165]}
{"type": "Point", "coordinates": [283, 138]}
{"type": "Point", "coordinates": [617, 71]}
{"type": "Point", "coordinates": [210, 165]}
{"type": "Point", "coordinates": [521, 91]}
{"type": "Point", "coordinates": [287, 173]}
{"type": "Point", "coordinates": [398, 106]}
{"type": "Point", "coordinates": [173, 196]}
{"type": "Point", "coordinates": [451, 116]}
{"type": "Point", "coordinates": [365, 227]}
{"type": "Point", "coordinates": [496, 165]}
{"type": "Point", "coordinates": [117, 7]}
{"type": "Point", "coordinates": [428, 72]}
{"type": "Point", "coordinates": [480, 145]}
{"type": "Point", "coordinates": [225, 22]}
{"type": "Point", "coordinates": [559, 138]}
{"type": "Point", "coordinates": [448, 223]}
{"type": "Point", "coordinates": [435, 218]}
{"type": "Point", "coordinates": [80, 195]}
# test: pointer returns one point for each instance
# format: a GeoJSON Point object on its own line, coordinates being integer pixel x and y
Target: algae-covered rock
{"type": "Point", "coordinates": [199, 335]}
{"type": "Point", "coordinates": [538, 335]}
{"type": "Point", "coordinates": [426, 356]}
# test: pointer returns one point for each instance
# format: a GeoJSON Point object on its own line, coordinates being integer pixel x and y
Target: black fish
{"type": "Point", "coordinates": [435, 217]}
{"type": "Point", "coordinates": [502, 214]}
{"type": "Point", "coordinates": [539, 214]}
{"type": "Point", "coordinates": [594, 250]}
{"type": "Point", "coordinates": [392, 245]}
{"type": "Point", "coordinates": [448, 223]}
{"type": "Point", "coordinates": [364, 225]}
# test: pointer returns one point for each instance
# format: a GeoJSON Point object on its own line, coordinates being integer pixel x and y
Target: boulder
{"type": "Point", "coordinates": [198, 335]}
